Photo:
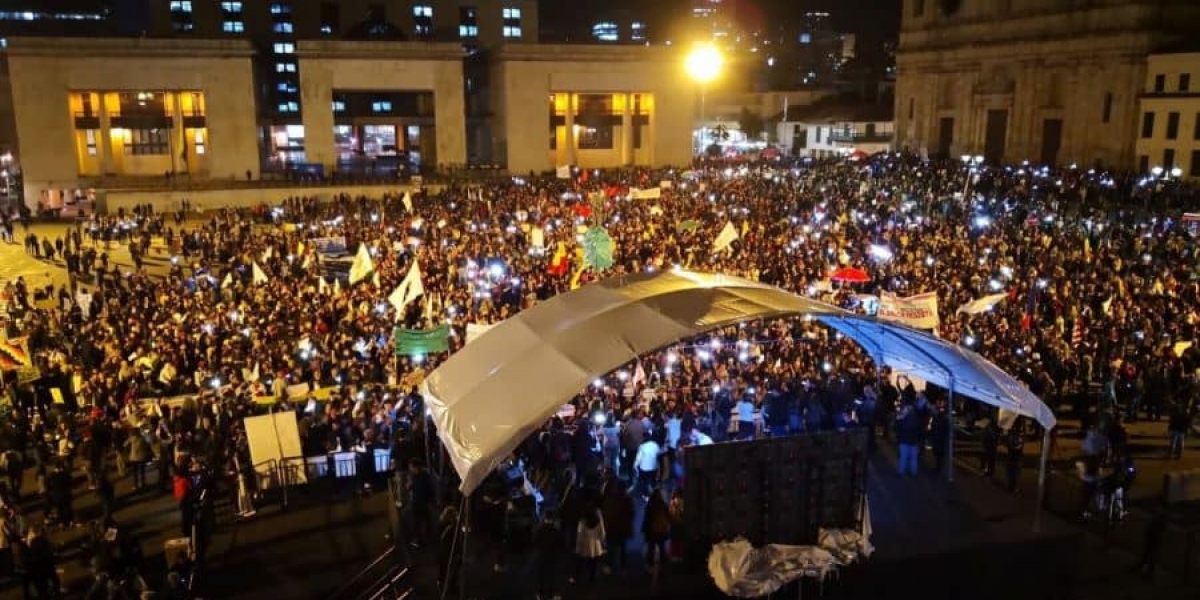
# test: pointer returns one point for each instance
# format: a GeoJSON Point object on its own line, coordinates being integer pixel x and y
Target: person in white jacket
{"type": "Point", "coordinates": [590, 537]}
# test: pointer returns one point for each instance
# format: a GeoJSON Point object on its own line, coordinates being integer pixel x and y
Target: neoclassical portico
{"type": "Point", "coordinates": [602, 106]}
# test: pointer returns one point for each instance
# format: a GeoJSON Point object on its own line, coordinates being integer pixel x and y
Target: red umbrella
{"type": "Point", "coordinates": [850, 275]}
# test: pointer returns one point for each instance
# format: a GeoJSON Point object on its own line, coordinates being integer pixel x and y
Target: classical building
{"type": "Point", "coordinates": [127, 107]}
{"type": "Point", "coordinates": [1049, 81]}
{"type": "Point", "coordinates": [96, 112]}
{"type": "Point", "coordinates": [1169, 122]}
{"type": "Point", "coordinates": [834, 127]}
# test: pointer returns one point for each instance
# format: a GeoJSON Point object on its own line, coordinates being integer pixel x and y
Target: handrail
{"type": "Point", "coordinates": [363, 573]}
{"type": "Point", "coordinates": [385, 584]}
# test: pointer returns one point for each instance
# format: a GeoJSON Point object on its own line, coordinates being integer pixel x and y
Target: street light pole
{"type": "Point", "coordinates": [703, 65]}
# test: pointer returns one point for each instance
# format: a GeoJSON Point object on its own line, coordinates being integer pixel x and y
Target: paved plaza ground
{"type": "Point", "coordinates": [324, 538]}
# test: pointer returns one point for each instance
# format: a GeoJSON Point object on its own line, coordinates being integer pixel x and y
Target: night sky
{"type": "Point", "coordinates": [873, 20]}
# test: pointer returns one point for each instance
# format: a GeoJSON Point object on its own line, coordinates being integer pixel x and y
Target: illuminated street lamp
{"type": "Point", "coordinates": [1176, 172]}
{"type": "Point", "coordinates": [1156, 171]}
{"type": "Point", "coordinates": [703, 65]}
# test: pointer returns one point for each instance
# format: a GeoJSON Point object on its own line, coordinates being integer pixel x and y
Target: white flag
{"type": "Point", "coordinates": [228, 281]}
{"type": "Point", "coordinates": [1107, 306]}
{"type": "Point", "coordinates": [408, 201]}
{"type": "Point", "coordinates": [639, 374]}
{"type": "Point", "coordinates": [268, 253]}
{"type": "Point", "coordinates": [726, 237]}
{"type": "Point", "coordinates": [408, 290]}
{"type": "Point", "coordinates": [362, 266]}
{"type": "Point", "coordinates": [982, 305]}
{"type": "Point", "coordinates": [322, 287]}
{"type": "Point", "coordinates": [307, 262]}
{"type": "Point", "coordinates": [259, 276]}
{"type": "Point", "coordinates": [563, 172]}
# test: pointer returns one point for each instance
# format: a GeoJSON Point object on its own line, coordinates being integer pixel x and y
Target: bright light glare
{"type": "Point", "coordinates": [704, 64]}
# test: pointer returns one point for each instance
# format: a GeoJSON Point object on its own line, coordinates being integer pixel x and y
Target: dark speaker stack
{"type": "Point", "coordinates": [777, 490]}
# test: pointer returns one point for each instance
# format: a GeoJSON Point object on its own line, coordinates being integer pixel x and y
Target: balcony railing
{"type": "Point", "coordinates": [862, 138]}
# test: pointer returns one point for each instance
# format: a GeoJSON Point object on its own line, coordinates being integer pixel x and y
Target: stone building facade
{"type": "Point", "coordinates": [1045, 81]}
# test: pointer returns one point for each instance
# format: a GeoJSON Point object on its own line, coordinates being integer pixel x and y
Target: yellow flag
{"type": "Point", "coordinates": [745, 227]}
{"type": "Point", "coordinates": [300, 248]}
{"type": "Point", "coordinates": [576, 275]}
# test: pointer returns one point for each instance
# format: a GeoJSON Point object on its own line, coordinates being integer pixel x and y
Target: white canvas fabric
{"type": "Point", "coordinates": [942, 363]}
{"type": "Point", "coordinates": [487, 397]}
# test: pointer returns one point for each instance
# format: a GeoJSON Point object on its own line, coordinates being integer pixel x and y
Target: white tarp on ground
{"type": "Point", "coordinates": [743, 571]}
{"type": "Point", "coordinates": [489, 396]}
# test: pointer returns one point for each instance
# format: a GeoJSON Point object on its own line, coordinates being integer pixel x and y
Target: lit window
{"type": "Point", "coordinates": [280, 8]}
{"type": "Point", "coordinates": [284, 48]}
{"type": "Point", "coordinates": [233, 7]}
{"type": "Point", "coordinates": [512, 32]}
{"type": "Point", "coordinates": [381, 106]}
{"type": "Point", "coordinates": [91, 142]}
{"type": "Point", "coordinates": [468, 31]}
{"type": "Point", "coordinates": [339, 106]}
{"type": "Point", "coordinates": [423, 30]}
{"type": "Point", "coordinates": [606, 31]}
{"type": "Point", "coordinates": [233, 27]}
{"type": "Point", "coordinates": [327, 29]}
{"type": "Point", "coordinates": [199, 141]}
{"type": "Point", "coordinates": [512, 13]}
{"type": "Point", "coordinates": [181, 6]}
{"type": "Point", "coordinates": [289, 107]}
{"type": "Point", "coordinates": [806, 38]}
{"type": "Point", "coordinates": [424, 11]}
{"type": "Point", "coordinates": [285, 67]}
{"type": "Point", "coordinates": [183, 26]}
{"type": "Point", "coordinates": [284, 27]}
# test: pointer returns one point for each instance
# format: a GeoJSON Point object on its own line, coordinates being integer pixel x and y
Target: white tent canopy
{"type": "Point", "coordinates": [488, 397]}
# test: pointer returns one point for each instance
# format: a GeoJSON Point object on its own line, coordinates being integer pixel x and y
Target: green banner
{"type": "Point", "coordinates": [410, 342]}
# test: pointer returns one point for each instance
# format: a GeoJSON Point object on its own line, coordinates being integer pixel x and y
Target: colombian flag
{"type": "Point", "coordinates": [559, 263]}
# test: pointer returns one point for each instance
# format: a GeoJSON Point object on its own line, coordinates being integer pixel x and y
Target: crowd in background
{"type": "Point", "coordinates": [1102, 294]}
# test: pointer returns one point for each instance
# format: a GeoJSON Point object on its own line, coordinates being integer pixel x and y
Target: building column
{"type": "Point", "coordinates": [104, 144]}
{"type": "Point", "coordinates": [178, 136]}
{"type": "Point", "coordinates": [570, 127]}
{"type": "Point", "coordinates": [316, 98]}
{"type": "Point", "coordinates": [627, 132]}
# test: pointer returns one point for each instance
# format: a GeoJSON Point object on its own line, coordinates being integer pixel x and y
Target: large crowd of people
{"type": "Point", "coordinates": [1102, 303]}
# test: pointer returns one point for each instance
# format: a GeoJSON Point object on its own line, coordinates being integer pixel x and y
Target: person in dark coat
{"type": "Point", "coordinates": [1015, 442]}
{"type": "Point", "coordinates": [617, 510]}
{"type": "Point", "coordinates": [550, 546]}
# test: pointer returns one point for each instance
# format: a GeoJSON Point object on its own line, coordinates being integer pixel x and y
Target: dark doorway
{"type": "Point", "coordinates": [1051, 140]}
{"type": "Point", "coordinates": [945, 136]}
{"type": "Point", "coordinates": [997, 130]}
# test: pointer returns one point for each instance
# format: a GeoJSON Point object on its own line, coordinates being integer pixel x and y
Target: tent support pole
{"type": "Point", "coordinates": [950, 434]}
{"type": "Point", "coordinates": [1041, 493]}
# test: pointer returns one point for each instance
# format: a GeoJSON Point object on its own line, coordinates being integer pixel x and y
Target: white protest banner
{"type": "Point", "coordinates": [475, 330]}
{"type": "Point", "coordinates": [653, 193]}
{"type": "Point", "coordinates": [563, 172]}
{"type": "Point", "coordinates": [982, 305]}
{"type": "Point", "coordinates": [537, 238]}
{"type": "Point", "coordinates": [666, 184]}
{"type": "Point", "coordinates": [918, 312]}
